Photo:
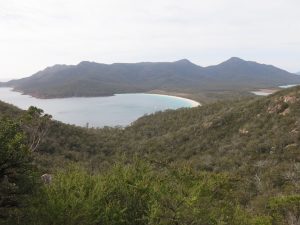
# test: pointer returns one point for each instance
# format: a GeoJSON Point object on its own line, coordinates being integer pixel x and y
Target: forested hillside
{"type": "Point", "coordinates": [181, 77]}
{"type": "Point", "coordinates": [231, 162]}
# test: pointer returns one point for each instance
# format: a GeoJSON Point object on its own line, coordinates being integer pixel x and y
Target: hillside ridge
{"type": "Point", "coordinates": [256, 141]}
{"type": "Point", "coordinates": [182, 76]}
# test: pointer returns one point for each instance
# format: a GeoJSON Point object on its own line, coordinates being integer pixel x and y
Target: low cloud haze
{"type": "Point", "coordinates": [36, 34]}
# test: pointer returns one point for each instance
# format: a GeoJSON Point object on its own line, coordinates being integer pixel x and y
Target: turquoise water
{"type": "Point", "coordinates": [118, 110]}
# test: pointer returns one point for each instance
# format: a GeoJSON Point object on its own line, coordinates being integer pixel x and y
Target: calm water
{"type": "Point", "coordinates": [262, 93]}
{"type": "Point", "coordinates": [288, 86]}
{"type": "Point", "coordinates": [116, 110]}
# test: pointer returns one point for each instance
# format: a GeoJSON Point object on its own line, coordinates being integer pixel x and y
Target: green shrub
{"type": "Point", "coordinates": [285, 209]}
{"type": "Point", "coordinates": [16, 171]}
{"type": "Point", "coordinates": [137, 194]}
{"type": "Point", "coordinates": [120, 196]}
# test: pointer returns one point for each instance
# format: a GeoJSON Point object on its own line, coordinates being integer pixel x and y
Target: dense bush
{"type": "Point", "coordinates": [255, 141]}
{"type": "Point", "coordinates": [16, 170]}
{"type": "Point", "coordinates": [139, 193]}
{"type": "Point", "coordinates": [285, 209]}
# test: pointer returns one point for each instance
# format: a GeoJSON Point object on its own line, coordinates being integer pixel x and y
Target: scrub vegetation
{"type": "Point", "coordinates": [230, 162]}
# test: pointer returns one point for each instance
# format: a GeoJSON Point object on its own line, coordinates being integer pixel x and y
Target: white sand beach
{"type": "Point", "coordinates": [192, 102]}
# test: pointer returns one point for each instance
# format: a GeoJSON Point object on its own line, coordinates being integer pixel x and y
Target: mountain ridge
{"type": "Point", "coordinates": [98, 79]}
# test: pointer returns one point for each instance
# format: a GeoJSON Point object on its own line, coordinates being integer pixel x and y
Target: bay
{"type": "Point", "coordinates": [117, 110]}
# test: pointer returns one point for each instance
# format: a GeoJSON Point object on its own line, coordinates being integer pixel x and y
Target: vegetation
{"type": "Point", "coordinates": [140, 194]}
{"type": "Point", "coordinates": [231, 78]}
{"type": "Point", "coordinates": [14, 167]}
{"type": "Point", "coordinates": [223, 163]}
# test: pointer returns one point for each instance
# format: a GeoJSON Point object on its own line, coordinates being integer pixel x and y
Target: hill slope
{"type": "Point", "coordinates": [233, 136]}
{"type": "Point", "coordinates": [255, 140]}
{"type": "Point", "coordinates": [95, 79]}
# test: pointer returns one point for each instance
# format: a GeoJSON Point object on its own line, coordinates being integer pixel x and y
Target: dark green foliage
{"type": "Point", "coordinates": [18, 140]}
{"type": "Point", "coordinates": [35, 124]}
{"type": "Point", "coordinates": [16, 178]}
{"type": "Point", "coordinates": [241, 156]}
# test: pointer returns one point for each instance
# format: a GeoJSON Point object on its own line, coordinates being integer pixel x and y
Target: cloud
{"type": "Point", "coordinates": [36, 34]}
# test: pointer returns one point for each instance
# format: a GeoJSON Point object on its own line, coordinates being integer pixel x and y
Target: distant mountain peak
{"type": "Point", "coordinates": [85, 63]}
{"type": "Point", "coordinates": [96, 79]}
{"type": "Point", "coordinates": [183, 61]}
{"type": "Point", "coordinates": [235, 59]}
{"type": "Point", "coordinates": [55, 68]}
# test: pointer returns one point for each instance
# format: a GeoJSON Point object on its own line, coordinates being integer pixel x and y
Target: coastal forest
{"type": "Point", "coordinates": [228, 162]}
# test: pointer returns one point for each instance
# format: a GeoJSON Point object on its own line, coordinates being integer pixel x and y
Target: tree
{"type": "Point", "coordinates": [36, 124]}
{"type": "Point", "coordinates": [16, 177]}
{"type": "Point", "coordinates": [18, 139]}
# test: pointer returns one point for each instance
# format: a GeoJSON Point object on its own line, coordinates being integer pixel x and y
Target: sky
{"type": "Point", "coordinates": [35, 34]}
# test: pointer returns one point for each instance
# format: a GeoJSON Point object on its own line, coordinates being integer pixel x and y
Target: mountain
{"type": "Point", "coordinates": [298, 73]}
{"type": "Point", "coordinates": [95, 79]}
{"type": "Point", "coordinates": [255, 142]}
{"type": "Point", "coordinates": [243, 73]}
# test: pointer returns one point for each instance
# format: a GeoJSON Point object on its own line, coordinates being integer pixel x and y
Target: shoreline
{"type": "Point", "coordinates": [192, 102]}
{"type": "Point", "coordinates": [181, 95]}
{"type": "Point", "coordinates": [264, 92]}
{"type": "Point", "coordinates": [269, 91]}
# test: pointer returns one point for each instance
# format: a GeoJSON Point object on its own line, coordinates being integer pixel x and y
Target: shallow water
{"type": "Point", "coordinates": [118, 110]}
{"type": "Point", "coordinates": [261, 93]}
{"type": "Point", "coordinates": [288, 86]}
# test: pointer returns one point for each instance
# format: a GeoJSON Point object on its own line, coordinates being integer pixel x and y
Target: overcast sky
{"type": "Point", "coordinates": [35, 34]}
